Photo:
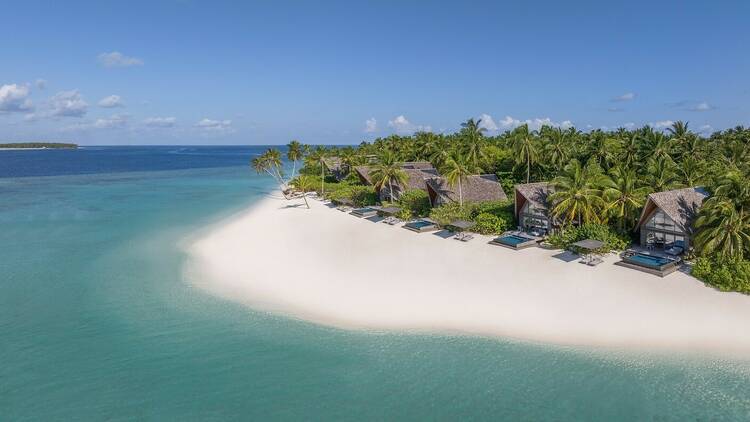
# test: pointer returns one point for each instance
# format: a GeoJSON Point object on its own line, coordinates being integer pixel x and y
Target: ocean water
{"type": "Point", "coordinates": [96, 322]}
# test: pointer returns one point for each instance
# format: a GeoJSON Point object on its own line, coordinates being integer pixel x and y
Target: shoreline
{"type": "Point", "coordinates": [330, 268]}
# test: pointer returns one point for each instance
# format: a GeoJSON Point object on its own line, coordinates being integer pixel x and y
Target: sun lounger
{"type": "Point", "coordinates": [459, 236]}
{"type": "Point", "coordinates": [466, 237]}
{"type": "Point", "coordinates": [585, 259]}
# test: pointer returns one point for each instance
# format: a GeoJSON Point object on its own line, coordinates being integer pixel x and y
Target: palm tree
{"type": "Point", "coordinates": [294, 153]}
{"type": "Point", "coordinates": [472, 134]}
{"type": "Point", "coordinates": [723, 229]}
{"type": "Point", "coordinates": [577, 196]}
{"type": "Point", "coordinates": [305, 184]}
{"type": "Point", "coordinates": [456, 169]}
{"type": "Point", "coordinates": [525, 147]}
{"type": "Point", "coordinates": [661, 173]}
{"type": "Point", "coordinates": [388, 171]}
{"type": "Point", "coordinates": [558, 147]}
{"type": "Point", "coordinates": [270, 162]}
{"type": "Point", "coordinates": [623, 196]}
{"type": "Point", "coordinates": [602, 147]}
{"type": "Point", "coordinates": [691, 171]}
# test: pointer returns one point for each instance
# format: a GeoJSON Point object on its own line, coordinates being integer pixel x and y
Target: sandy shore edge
{"type": "Point", "coordinates": [334, 269]}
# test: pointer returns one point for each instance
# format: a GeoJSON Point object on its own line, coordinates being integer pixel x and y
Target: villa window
{"type": "Point", "coordinates": [661, 221]}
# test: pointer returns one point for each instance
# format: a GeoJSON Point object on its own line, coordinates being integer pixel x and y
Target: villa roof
{"type": "Point", "coordinates": [536, 193]}
{"type": "Point", "coordinates": [476, 188]}
{"type": "Point", "coordinates": [333, 163]}
{"type": "Point", "coordinates": [681, 205]}
{"type": "Point", "coordinates": [416, 173]}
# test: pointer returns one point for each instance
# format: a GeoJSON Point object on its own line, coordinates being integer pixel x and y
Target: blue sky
{"type": "Point", "coordinates": [189, 72]}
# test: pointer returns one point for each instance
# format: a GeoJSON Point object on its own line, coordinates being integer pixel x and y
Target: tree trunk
{"type": "Point", "coordinates": [460, 194]}
{"type": "Point", "coordinates": [528, 167]}
{"type": "Point", "coordinates": [304, 196]}
{"type": "Point", "coordinates": [322, 179]}
{"type": "Point", "coordinates": [390, 189]}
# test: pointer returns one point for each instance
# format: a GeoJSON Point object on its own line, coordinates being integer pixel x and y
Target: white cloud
{"type": "Point", "coordinates": [702, 106]}
{"type": "Point", "coordinates": [68, 104]}
{"type": "Point", "coordinates": [401, 125]}
{"type": "Point", "coordinates": [117, 59]}
{"type": "Point", "coordinates": [534, 124]}
{"type": "Point", "coordinates": [662, 124]}
{"type": "Point", "coordinates": [115, 121]}
{"type": "Point", "coordinates": [706, 129]}
{"type": "Point", "coordinates": [15, 98]}
{"type": "Point", "coordinates": [111, 101]}
{"type": "Point", "coordinates": [215, 126]}
{"type": "Point", "coordinates": [160, 121]}
{"type": "Point", "coordinates": [371, 125]}
{"type": "Point", "coordinates": [487, 122]}
{"type": "Point", "coordinates": [628, 96]}
{"type": "Point", "coordinates": [628, 125]}
{"type": "Point", "coordinates": [40, 84]}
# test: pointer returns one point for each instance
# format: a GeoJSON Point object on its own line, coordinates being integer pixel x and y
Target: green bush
{"type": "Point", "coordinates": [724, 273]}
{"type": "Point", "coordinates": [502, 209]}
{"type": "Point", "coordinates": [447, 213]}
{"type": "Point", "coordinates": [359, 195]}
{"type": "Point", "coordinates": [487, 223]}
{"type": "Point", "coordinates": [564, 238]}
{"type": "Point", "coordinates": [416, 201]}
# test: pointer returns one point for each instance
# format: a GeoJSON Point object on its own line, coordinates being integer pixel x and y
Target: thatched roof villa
{"type": "Point", "coordinates": [336, 167]}
{"type": "Point", "coordinates": [667, 217]}
{"type": "Point", "coordinates": [477, 188]}
{"type": "Point", "coordinates": [416, 172]}
{"type": "Point", "coordinates": [532, 206]}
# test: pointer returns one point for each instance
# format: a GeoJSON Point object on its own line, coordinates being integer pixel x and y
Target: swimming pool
{"type": "Point", "coordinates": [649, 261]}
{"type": "Point", "coordinates": [514, 241]}
{"type": "Point", "coordinates": [420, 224]}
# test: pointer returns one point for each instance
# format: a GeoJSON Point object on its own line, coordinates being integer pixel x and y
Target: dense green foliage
{"type": "Point", "coordinates": [54, 145]}
{"type": "Point", "coordinates": [487, 223]}
{"type": "Point", "coordinates": [489, 217]}
{"type": "Point", "coordinates": [724, 273]}
{"type": "Point", "coordinates": [417, 202]}
{"type": "Point", "coordinates": [601, 178]}
{"type": "Point", "coordinates": [359, 195]}
{"type": "Point", "coordinates": [569, 235]}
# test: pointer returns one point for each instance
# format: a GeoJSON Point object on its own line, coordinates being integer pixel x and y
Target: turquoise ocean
{"type": "Point", "coordinates": [97, 323]}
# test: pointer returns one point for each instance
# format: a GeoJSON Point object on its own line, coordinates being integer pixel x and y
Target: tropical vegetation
{"type": "Point", "coordinates": [601, 178]}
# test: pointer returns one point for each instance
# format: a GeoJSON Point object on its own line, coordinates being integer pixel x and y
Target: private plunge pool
{"type": "Point", "coordinates": [514, 241]}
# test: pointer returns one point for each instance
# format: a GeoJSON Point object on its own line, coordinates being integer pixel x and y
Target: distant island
{"type": "Point", "coordinates": [38, 145]}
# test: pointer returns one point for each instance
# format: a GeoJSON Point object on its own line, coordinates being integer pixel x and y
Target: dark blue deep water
{"type": "Point", "coordinates": [98, 324]}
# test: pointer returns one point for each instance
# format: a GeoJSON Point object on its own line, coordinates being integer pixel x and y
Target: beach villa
{"type": "Point", "coordinates": [416, 172]}
{"type": "Point", "coordinates": [477, 188]}
{"type": "Point", "coordinates": [532, 206]}
{"type": "Point", "coordinates": [667, 217]}
{"type": "Point", "coordinates": [336, 167]}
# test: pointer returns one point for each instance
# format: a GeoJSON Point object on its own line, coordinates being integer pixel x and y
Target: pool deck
{"type": "Point", "coordinates": [657, 253]}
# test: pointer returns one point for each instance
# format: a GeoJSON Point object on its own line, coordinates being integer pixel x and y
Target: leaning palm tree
{"type": "Point", "coordinates": [305, 184]}
{"type": "Point", "coordinates": [270, 162]}
{"type": "Point", "coordinates": [387, 171]}
{"type": "Point", "coordinates": [577, 195]}
{"type": "Point", "coordinates": [456, 169]}
{"type": "Point", "coordinates": [661, 173]}
{"type": "Point", "coordinates": [722, 229]}
{"type": "Point", "coordinates": [623, 196]}
{"type": "Point", "coordinates": [525, 147]}
{"type": "Point", "coordinates": [294, 153]}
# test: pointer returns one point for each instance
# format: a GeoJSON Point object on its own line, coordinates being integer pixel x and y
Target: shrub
{"type": "Point", "coordinates": [564, 238]}
{"type": "Point", "coordinates": [447, 213]}
{"type": "Point", "coordinates": [359, 195]}
{"type": "Point", "coordinates": [502, 209]}
{"type": "Point", "coordinates": [724, 273]}
{"type": "Point", "coordinates": [416, 201]}
{"type": "Point", "coordinates": [487, 223]}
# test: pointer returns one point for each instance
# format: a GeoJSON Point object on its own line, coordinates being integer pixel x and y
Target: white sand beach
{"type": "Point", "coordinates": [332, 268]}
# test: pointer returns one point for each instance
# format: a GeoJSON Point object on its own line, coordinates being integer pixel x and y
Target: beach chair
{"type": "Point", "coordinates": [394, 221]}
{"type": "Point", "coordinates": [675, 248]}
{"type": "Point", "coordinates": [467, 237]}
{"type": "Point", "coordinates": [585, 259]}
{"type": "Point", "coordinates": [459, 236]}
